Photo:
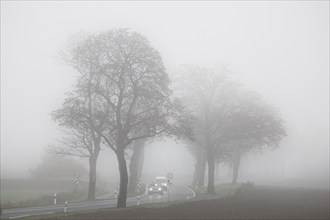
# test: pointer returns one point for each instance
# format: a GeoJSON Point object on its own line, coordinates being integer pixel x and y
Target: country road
{"type": "Point", "coordinates": [177, 192]}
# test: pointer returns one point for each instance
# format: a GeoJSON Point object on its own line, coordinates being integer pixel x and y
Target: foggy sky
{"type": "Point", "coordinates": [280, 49]}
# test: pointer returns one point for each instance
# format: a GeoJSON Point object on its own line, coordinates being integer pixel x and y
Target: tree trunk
{"type": "Point", "coordinates": [211, 169]}
{"type": "Point", "coordinates": [121, 203]}
{"type": "Point", "coordinates": [235, 169]}
{"type": "Point", "coordinates": [217, 170]}
{"type": "Point", "coordinates": [92, 178]}
{"type": "Point", "coordinates": [201, 174]}
{"type": "Point", "coordinates": [92, 173]}
{"type": "Point", "coordinates": [135, 166]}
{"type": "Point", "coordinates": [196, 171]}
{"type": "Point", "coordinates": [200, 166]}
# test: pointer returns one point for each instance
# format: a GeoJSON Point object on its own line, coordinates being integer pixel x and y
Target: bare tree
{"type": "Point", "coordinates": [129, 78]}
{"type": "Point", "coordinates": [135, 166]}
{"type": "Point", "coordinates": [83, 117]}
{"type": "Point", "coordinates": [53, 166]}
{"type": "Point", "coordinates": [251, 125]}
{"type": "Point", "coordinates": [200, 166]}
{"type": "Point", "coordinates": [226, 113]}
{"type": "Point", "coordinates": [200, 89]}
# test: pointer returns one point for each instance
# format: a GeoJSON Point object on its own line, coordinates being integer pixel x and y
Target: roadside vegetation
{"type": "Point", "coordinates": [233, 202]}
{"type": "Point", "coordinates": [46, 199]}
{"type": "Point", "coordinates": [123, 98]}
{"type": "Point", "coordinates": [221, 190]}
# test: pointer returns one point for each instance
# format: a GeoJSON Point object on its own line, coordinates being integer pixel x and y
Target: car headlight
{"type": "Point", "coordinates": [150, 189]}
{"type": "Point", "coordinates": [159, 189]}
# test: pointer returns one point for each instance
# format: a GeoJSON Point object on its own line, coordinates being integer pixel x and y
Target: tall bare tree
{"type": "Point", "coordinates": [81, 116]}
{"type": "Point", "coordinates": [129, 78]}
{"type": "Point", "coordinates": [200, 89]}
{"type": "Point", "coordinates": [251, 125]}
{"type": "Point", "coordinates": [226, 113]}
{"type": "Point", "coordinates": [135, 166]}
{"type": "Point", "coordinates": [200, 166]}
{"type": "Point", "coordinates": [84, 114]}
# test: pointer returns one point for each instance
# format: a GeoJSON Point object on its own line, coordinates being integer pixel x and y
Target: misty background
{"type": "Point", "coordinates": [279, 49]}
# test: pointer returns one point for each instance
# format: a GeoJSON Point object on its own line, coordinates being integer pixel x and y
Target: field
{"type": "Point", "coordinates": [34, 192]}
{"type": "Point", "coordinates": [248, 202]}
{"type": "Point", "coordinates": [16, 195]}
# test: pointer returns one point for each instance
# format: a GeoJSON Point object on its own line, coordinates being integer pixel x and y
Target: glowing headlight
{"type": "Point", "coordinates": [150, 189]}
{"type": "Point", "coordinates": [159, 188]}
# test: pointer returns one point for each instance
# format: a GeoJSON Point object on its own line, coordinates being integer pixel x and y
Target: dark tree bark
{"type": "Point", "coordinates": [121, 203]}
{"type": "Point", "coordinates": [201, 174]}
{"type": "Point", "coordinates": [216, 175]}
{"type": "Point", "coordinates": [130, 87]}
{"type": "Point", "coordinates": [194, 183]}
{"type": "Point", "coordinates": [196, 171]}
{"type": "Point", "coordinates": [92, 170]}
{"type": "Point", "coordinates": [236, 164]}
{"type": "Point", "coordinates": [135, 166]}
{"type": "Point", "coordinates": [194, 180]}
{"type": "Point", "coordinates": [200, 167]}
{"type": "Point", "coordinates": [92, 178]}
{"type": "Point", "coordinates": [211, 169]}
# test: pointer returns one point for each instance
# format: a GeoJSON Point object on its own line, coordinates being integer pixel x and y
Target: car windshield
{"type": "Point", "coordinates": [160, 180]}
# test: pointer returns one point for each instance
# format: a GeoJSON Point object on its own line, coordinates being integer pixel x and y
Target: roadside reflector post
{"type": "Point", "coordinates": [138, 200]}
{"type": "Point", "coordinates": [65, 206]}
{"type": "Point", "coordinates": [54, 198]}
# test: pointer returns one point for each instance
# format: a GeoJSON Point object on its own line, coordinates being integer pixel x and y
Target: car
{"type": "Point", "coordinates": [155, 188]}
{"type": "Point", "coordinates": [161, 180]}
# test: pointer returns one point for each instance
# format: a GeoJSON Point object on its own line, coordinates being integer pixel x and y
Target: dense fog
{"type": "Point", "coordinates": [278, 49]}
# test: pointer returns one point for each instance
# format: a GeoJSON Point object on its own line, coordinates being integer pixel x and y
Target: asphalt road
{"type": "Point", "coordinates": [177, 192]}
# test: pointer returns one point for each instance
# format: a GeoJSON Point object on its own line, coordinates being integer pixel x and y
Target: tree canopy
{"type": "Point", "coordinates": [229, 119]}
{"type": "Point", "coordinates": [127, 89]}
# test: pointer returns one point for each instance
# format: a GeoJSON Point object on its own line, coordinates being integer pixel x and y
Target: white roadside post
{"type": "Point", "coordinates": [54, 198]}
{"type": "Point", "coordinates": [65, 206]}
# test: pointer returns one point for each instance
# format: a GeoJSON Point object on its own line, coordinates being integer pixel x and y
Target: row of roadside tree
{"type": "Point", "coordinates": [123, 98]}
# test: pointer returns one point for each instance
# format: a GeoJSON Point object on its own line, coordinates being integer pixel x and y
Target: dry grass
{"type": "Point", "coordinates": [248, 203]}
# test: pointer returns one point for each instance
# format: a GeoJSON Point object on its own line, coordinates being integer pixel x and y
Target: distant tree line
{"type": "Point", "coordinates": [122, 99]}
{"type": "Point", "coordinates": [230, 121]}
{"type": "Point", "coordinates": [54, 168]}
